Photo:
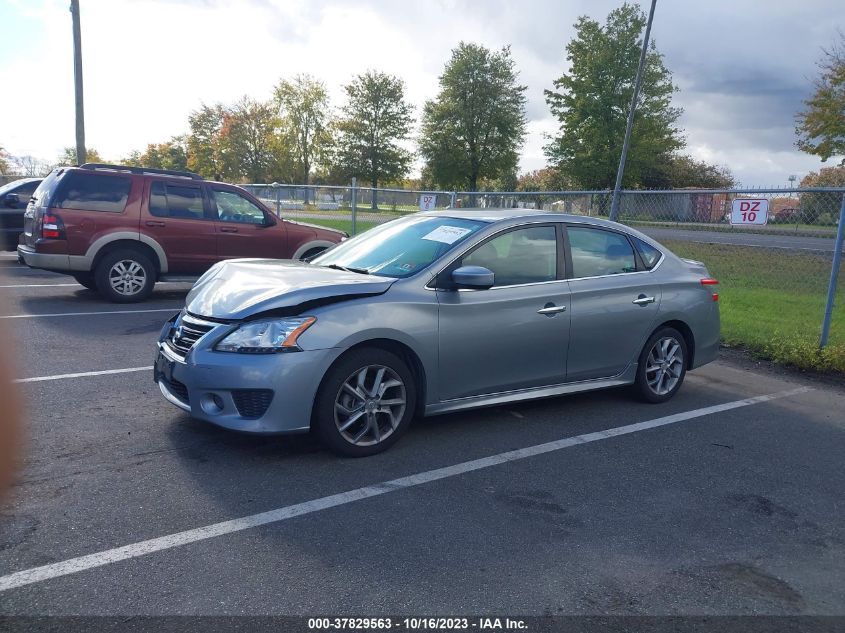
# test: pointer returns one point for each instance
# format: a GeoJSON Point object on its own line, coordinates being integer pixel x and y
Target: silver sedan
{"type": "Point", "coordinates": [432, 313]}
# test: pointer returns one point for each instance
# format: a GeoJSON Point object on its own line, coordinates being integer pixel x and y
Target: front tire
{"type": "Point", "coordinates": [365, 403]}
{"type": "Point", "coordinates": [125, 276]}
{"type": "Point", "coordinates": [662, 366]}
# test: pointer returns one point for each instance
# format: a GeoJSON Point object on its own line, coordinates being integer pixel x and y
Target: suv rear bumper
{"type": "Point", "coordinates": [58, 262]}
{"type": "Point", "coordinates": [49, 261]}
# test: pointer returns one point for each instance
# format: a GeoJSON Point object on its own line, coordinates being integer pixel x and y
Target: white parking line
{"type": "Point", "coordinates": [98, 559]}
{"type": "Point", "coordinates": [83, 374]}
{"type": "Point", "coordinates": [67, 314]}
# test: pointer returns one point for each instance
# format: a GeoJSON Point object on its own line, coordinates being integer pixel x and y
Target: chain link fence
{"type": "Point", "coordinates": [775, 271]}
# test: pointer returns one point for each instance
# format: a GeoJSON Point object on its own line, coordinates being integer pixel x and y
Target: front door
{"type": "Point", "coordinates": [515, 334]}
{"type": "Point", "coordinates": [244, 229]}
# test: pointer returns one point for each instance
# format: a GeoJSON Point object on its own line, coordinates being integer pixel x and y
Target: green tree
{"type": "Point", "coordinates": [68, 156]}
{"type": "Point", "coordinates": [247, 141]}
{"type": "Point", "coordinates": [375, 119]}
{"type": "Point", "coordinates": [591, 102]}
{"type": "Point", "coordinates": [680, 171]}
{"type": "Point", "coordinates": [822, 208]}
{"type": "Point", "coordinates": [821, 127]}
{"type": "Point", "coordinates": [4, 161]}
{"type": "Point", "coordinates": [203, 148]}
{"type": "Point", "coordinates": [303, 106]}
{"type": "Point", "coordinates": [474, 128]}
{"type": "Point", "coordinates": [169, 155]}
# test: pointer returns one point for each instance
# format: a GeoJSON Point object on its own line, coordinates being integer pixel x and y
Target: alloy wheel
{"type": "Point", "coordinates": [127, 277]}
{"type": "Point", "coordinates": [664, 365]}
{"type": "Point", "coordinates": [369, 405]}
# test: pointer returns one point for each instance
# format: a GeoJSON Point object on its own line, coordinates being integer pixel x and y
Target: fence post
{"type": "Point", "coordinates": [275, 186]}
{"type": "Point", "coordinates": [834, 274]}
{"type": "Point", "coordinates": [354, 202]}
{"type": "Point", "coordinates": [452, 198]}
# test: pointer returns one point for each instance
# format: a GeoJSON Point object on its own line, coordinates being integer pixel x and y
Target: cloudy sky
{"type": "Point", "coordinates": [743, 67]}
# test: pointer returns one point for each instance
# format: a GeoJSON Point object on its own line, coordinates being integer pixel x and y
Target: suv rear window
{"type": "Point", "coordinates": [92, 192]}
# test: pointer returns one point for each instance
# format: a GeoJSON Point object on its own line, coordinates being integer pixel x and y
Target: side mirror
{"type": "Point", "coordinates": [11, 200]}
{"type": "Point", "coordinates": [474, 277]}
{"type": "Point", "coordinates": [269, 220]}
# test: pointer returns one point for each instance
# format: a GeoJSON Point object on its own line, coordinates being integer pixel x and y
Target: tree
{"type": "Point", "coordinates": [303, 106]}
{"type": "Point", "coordinates": [679, 171]}
{"type": "Point", "coordinates": [30, 166]}
{"type": "Point", "coordinates": [822, 208]}
{"type": "Point", "coordinates": [68, 156]}
{"type": "Point", "coordinates": [203, 142]}
{"type": "Point", "coordinates": [476, 125]}
{"type": "Point", "coordinates": [375, 119]}
{"type": "Point", "coordinates": [821, 127]}
{"type": "Point", "coordinates": [591, 102]}
{"type": "Point", "coordinates": [4, 161]}
{"type": "Point", "coordinates": [247, 141]}
{"type": "Point", "coordinates": [169, 155]}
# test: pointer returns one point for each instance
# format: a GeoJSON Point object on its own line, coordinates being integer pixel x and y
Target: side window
{"type": "Point", "coordinates": [596, 252]}
{"type": "Point", "coordinates": [648, 253]}
{"type": "Point", "coordinates": [233, 207]}
{"type": "Point", "coordinates": [176, 201]}
{"type": "Point", "coordinates": [93, 192]}
{"type": "Point", "coordinates": [522, 256]}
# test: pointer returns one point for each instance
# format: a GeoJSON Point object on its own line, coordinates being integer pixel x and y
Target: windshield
{"type": "Point", "coordinates": [400, 248]}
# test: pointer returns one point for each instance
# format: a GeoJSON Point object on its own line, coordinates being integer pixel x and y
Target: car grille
{"type": "Point", "coordinates": [185, 333]}
{"type": "Point", "coordinates": [177, 388]}
{"type": "Point", "coordinates": [252, 403]}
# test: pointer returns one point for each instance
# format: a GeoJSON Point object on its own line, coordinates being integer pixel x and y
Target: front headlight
{"type": "Point", "coordinates": [266, 337]}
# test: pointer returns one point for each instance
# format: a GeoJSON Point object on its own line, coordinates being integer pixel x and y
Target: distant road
{"type": "Point", "coordinates": [759, 240]}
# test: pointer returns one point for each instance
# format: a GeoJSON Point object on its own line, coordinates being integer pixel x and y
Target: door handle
{"type": "Point", "coordinates": [154, 223]}
{"type": "Point", "coordinates": [228, 229]}
{"type": "Point", "coordinates": [550, 309]}
{"type": "Point", "coordinates": [642, 300]}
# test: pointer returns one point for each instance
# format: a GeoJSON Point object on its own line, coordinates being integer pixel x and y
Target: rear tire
{"type": "Point", "coordinates": [365, 403]}
{"type": "Point", "coordinates": [86, 279]}
{"type": "Point", "coordinates": [125, 276]}
{"type": "Point", "coordinates": [662, 366]}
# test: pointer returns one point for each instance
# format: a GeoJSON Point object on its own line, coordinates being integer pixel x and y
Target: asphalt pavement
{"type": "Point", "coordinates": [708, 504]}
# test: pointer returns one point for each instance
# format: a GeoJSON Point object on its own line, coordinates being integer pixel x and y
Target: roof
{"type": "Point", "coordinates": [499, 215]}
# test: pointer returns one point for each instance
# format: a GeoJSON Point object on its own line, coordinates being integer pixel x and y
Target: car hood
{"type": "Point", "coordinates": [243, 288]}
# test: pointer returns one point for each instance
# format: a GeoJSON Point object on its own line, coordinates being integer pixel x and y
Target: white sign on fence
{"type": "Point", "coordinates": [428, 201]}
{"type": "Point", "coordinates": [749, 211]}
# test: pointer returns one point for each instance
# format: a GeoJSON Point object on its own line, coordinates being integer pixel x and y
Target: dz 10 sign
{"type": "Point", "coordinates": [745, 211]}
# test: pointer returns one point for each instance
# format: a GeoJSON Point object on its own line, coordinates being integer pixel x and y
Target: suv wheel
{"type": "Point", "coordinates": [86, 279]}
{"type": "Point", "coordinates": [365, 403]}
{"type": "Point", "coordinates": [125, 276]}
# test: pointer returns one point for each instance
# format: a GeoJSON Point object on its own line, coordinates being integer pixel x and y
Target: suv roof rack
{"type": "Point", "coordinates": [143, 170]}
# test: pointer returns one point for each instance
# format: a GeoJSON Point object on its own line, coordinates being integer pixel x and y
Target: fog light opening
{"type": "Point", "coordinates": [211, 403]}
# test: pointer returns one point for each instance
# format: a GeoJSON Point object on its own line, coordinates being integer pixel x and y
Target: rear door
{"type": "Point", "coordinates": [614, 303]}
{"type": "Point", "coordinates": [177, 216]}
{"type": "Point", "coordinates": [244, 229]}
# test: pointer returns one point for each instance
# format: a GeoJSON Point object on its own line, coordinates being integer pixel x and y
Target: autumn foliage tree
{"type": "Point", "coordinates": [821, 126]}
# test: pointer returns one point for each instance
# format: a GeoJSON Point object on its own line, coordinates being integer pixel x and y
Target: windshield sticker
{"type": "Point", "coordinates": [446, 234]}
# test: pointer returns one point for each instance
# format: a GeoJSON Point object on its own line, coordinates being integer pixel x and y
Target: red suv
{"type": "Point", "coordinates": [120, 229]}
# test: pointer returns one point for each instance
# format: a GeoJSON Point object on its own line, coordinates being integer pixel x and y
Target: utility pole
{"type": "Point", "coordinates": [77, 80]}
{"type": "Point", "coordinates": [614, 206]}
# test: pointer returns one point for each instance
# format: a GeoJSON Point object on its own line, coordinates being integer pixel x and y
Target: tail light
{"type": "Point", "coordinates": [52, 227]}
{"type": "Point", "coordinates": [711, 282]}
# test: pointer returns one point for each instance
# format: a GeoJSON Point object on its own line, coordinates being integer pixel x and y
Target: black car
{"type": "Point", "coordinates": [13, 199]}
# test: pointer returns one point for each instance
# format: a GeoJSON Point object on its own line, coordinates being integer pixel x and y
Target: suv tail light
{"type": "Point", "coordinates": [52, 227]}
{"type": "Point", "coordinates": [711, 282]}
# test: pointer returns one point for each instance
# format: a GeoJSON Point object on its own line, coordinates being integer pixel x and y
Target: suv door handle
{"type": "Point", "coordinates": [154, 223]}
{"type": "Point", "coordinates": [551, 309]}
{"type": "Point", "coordinates": [228, 229]}
{"type": "Point", "coordinates": [642, 300]}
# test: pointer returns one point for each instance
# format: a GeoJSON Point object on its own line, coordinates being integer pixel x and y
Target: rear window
{"type": "Point", "coordinates": [92, 192]}
{"type": "Point", "coordinates": [42, 194]}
